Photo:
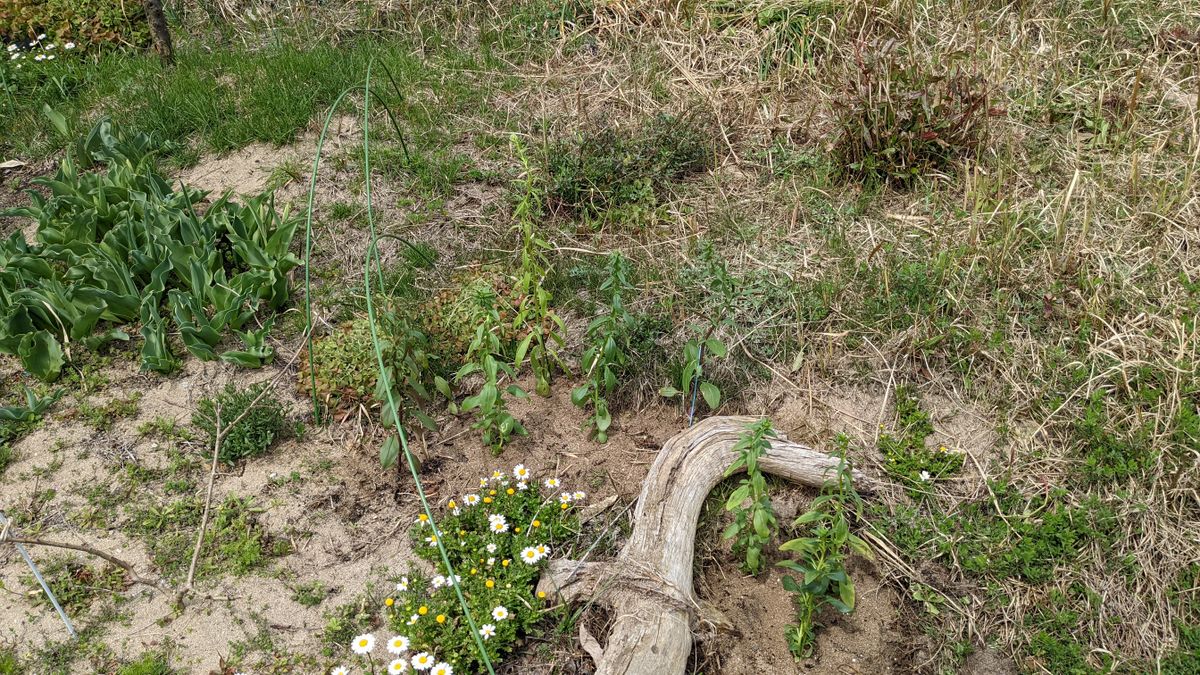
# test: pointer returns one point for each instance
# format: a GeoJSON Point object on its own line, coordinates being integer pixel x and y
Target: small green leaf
{"type": "Point", "coordinates": [715, 347]}
{"type": "Point", "coordinates": [579, 395]}
{"type": "Point", "coordinates": [712, 395]}
{"type": "Point", "coordinates": [668, 392]}
{"type": "Point", "coordinates": [737, 497]}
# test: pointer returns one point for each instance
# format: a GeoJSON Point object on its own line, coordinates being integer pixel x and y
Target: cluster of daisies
{"type": "Point", "coordinates": [45, 51]}
{"type": "Point", "coordinates": [401, 660]}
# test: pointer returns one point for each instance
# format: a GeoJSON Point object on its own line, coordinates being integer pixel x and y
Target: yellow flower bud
{"type": "Point", "coordinates": [441, 618]}
{"type": "Point", "coordinates": [389, 602]}
{"type": "Point", "coordinates": [423, 610]}
{"type": "Point", "coordinates": [489, 583]}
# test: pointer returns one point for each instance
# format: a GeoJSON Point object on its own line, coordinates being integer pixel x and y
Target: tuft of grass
{"type": "Point", "coordinates": [101, 417]}
{"type": "Point", "coordinates": [617, 170]}
{"type": "Point", "coordinates": [76, 584]}
{"type": "Point", "coordinates": [261, 423]}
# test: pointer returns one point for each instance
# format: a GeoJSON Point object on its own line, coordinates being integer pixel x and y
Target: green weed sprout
{"type": "Point", "coordinates": [608, 346]}
{"type": "Point", "coordinates": [753, 525]}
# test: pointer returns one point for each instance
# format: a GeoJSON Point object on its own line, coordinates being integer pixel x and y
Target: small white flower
{"type": "Point", "coordinates": [398, 645]}
{"type": "Point", "coordinates": [402, 585]}
{"type": "Point", "coordinates": [421, 521]}
{"type": "Point", "coordinates": [422, 661]}
{"type": "Point", "coordinates": [340, 670]}
{"type": "Point", "coordinates": [14, 57]}
{"type": "Point", "coordinates": [40, 57]}
{"type": "Point", "coordinates": [363, 644]}
{"type": "Point", "coordinates": [565, 498]}
{"type": "Point", "coordinates": [12, 48]}
{"type": "Point", "coordinates": [497, 474]}
{"type": "Point", "coordinates": [41, 37]}
{"type": "Point", "coordinates": [456, 511]}
{"type": "Point", "coordinates": [500, 613]}
{"type": "Point", "coordinates": [413, 619]}
{"type": "Point", "coordinates": [499, 526]}
{"type": "Point", "coordinates": [520, 472]}
{"type": "Point", "coordinates": [491, 548]}
{"type": "Point", "coordinates": [522, 485]}
{"type": "Point", "coordinates": [542, 550]}
{"type": "Point", "coordinates": [471, 500]}
{"type": "Point", "coordinates": [579, 495]}
{"type": "Point", "coordinates": [925, 476]}
{"type": "Point", "coordinates": [432, 541]}
{"type": "Point", "coordinates": [551, 483]}
{"type": "Point", "coordinates": [439, 581]}
{"type": "Point", "coordinates": [483, 482]}
{"type": "Point", "coordinates": [487, 630]}
{"type": "Point", "coordinates": [49, 46]}
{"type": "Point", "coordinates": [443, 669]}
{"type": "Point", "coordinates": [69, 45]}
{"type": "Point", "coordinates": [529, 555]}
{"type": "Point", "coordinates": [32, 44]}
{"type": "Point", "coordinates": [50, 58]}
{"type": "Point", "coordinates": [398, 666]}
{"type": "Point", "coordinates": [491, 561]}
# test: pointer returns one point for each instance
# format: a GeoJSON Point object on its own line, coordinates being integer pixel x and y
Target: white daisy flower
{"type": "Point", "coordinates": [439, 581]}
{"type": "Point", "coordinates": [422, 520]}
{"type": "Point", "coordinates": [487, 630]}
{"type": "Point", "coordinates": [520, 472]}
{"type": "Point", "coordinates": [422, 661]}
{"type": "Point", "coordinates": [413, 619]}
{"type": "Point", "coordinates": [483, 482]}
{"type": "Point", "coordinates": [402, 585]}
{"type": "Point", "coordinates": [443, 669]}
{"type": "Point", "coordinates": [529, 555]}
{"type": "Point", "coordinates": [491, 548]}
{"type": "Point", "coordinates": [551, 483]}
{"type": "Point", "coordinates": [542, 550]}
{"type": "Point", "coordinates": [579, 495]}
{"type": "Point", "coordinates": [500, 613]}
{"type": "Point", "coordinates": [491, 561]}
{"type": "Point", "coordinates": [497, 474]}
{"type": "Point", "coordinates": [432, 541]}
{"type": "Point", "coordinates": [471, 500]}
{"type": "Point", "coordinates": [398, 645]}
{"type": "Point", "coordinates": [522, 485]}
{"type": "Point", "coordinates": [925, 476]}
{"type": "Point", "coordinates": [363, 644]}
{"type": "Point", "coordinates": [69, 45]}
{"type": "Point", "coordinates": [565, 498]}
{"type": "Point", "coordinates": [340, 670]}
{"type": "Point", "coordinates": [398, 666]}
{"type": "Point", "coordinates": [499, 526]}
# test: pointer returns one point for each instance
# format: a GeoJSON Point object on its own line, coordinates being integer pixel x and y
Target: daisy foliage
{"type": "Point", "coordinates": [497, 569]}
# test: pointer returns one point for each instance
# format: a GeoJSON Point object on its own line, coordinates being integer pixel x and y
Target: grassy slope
{"type": "Point", "coordinates": [1050, 275]}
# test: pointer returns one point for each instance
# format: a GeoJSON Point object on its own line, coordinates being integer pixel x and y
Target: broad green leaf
{"type": "Point", "coordinates": [712, 395]}
{"type": "Point", "coordinates": [579, 395]}
{"type": "Point", "coordinates": [668, 391]}
{"type": "Point", "coordinates": [389, 451]}
{"type": "Point", "coordinates": [737, 497]}
{"type": "Point", "coordinates": [41, 355]}
{"type": "Point", "coordinates": [715, 347]}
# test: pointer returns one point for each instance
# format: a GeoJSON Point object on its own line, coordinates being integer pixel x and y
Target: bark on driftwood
{"type": "Point", "coordinates": [649, 585]}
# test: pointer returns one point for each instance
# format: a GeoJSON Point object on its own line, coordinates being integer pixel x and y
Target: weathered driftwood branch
{"type": "Point", "coordinates": [650, 583]}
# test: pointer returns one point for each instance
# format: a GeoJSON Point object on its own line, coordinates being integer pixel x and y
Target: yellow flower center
{"type": "Point", "coordinates": [505, 563]}
{"type": "Point", "coordinates": [511, 491]}
{"type": "Point", "coordinates": [517, 530]}
{"type": "Point", "coordinates": [452, 503]}
{"type": "Point", "coordinates": [492, 493]}
{"type": "Point", "coordinates": [422, 517]}
{"type": "Point", "coordinates": [541, 594]}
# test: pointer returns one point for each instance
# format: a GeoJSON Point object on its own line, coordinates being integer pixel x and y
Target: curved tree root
{"type": "Point", "coordinates": [649, 585]}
